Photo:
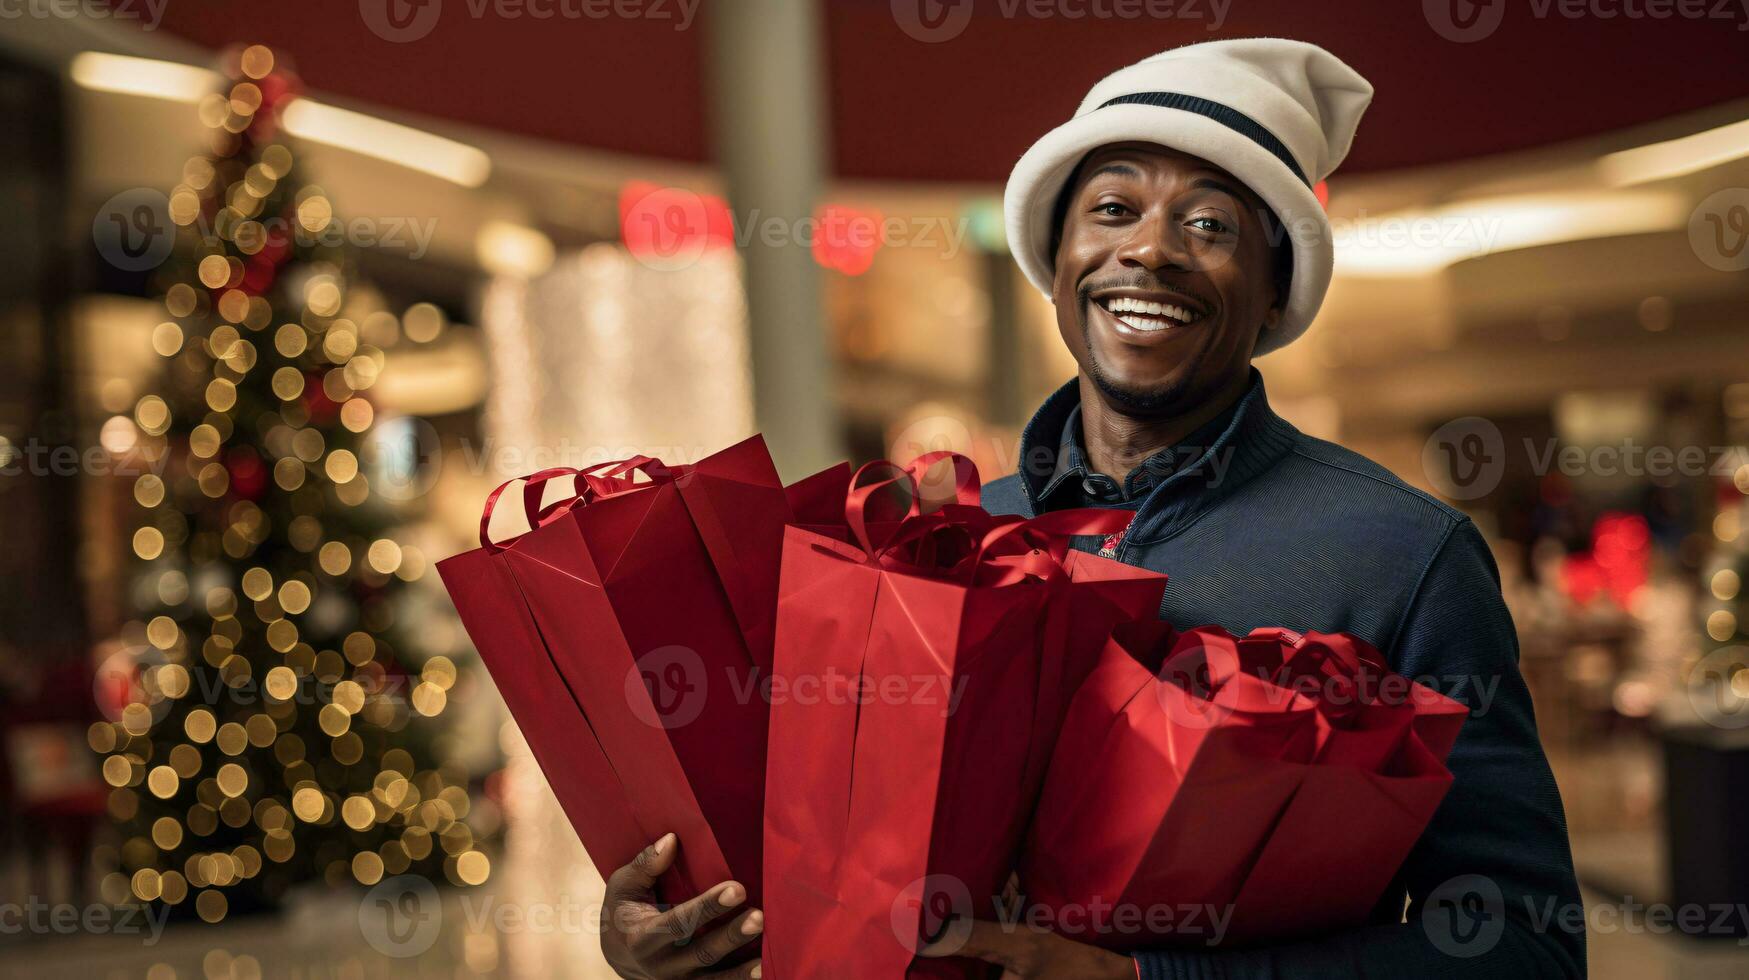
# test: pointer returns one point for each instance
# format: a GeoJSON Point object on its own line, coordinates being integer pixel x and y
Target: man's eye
{"type": "Point", "coordinates": [1213, 226]}
{"type": "Point", "coordinates": [1111, 210]}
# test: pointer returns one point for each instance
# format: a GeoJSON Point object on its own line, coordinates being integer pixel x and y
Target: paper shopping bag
{"type": "Point", "coordinates": [620, 597]}
{"type": "Point", "coordinates": [1172, 768]}
{"type": "Point", "coordinates": [645, 595]}
{"type": "Point", "coordinates": [579, 771]}
{"type": "Point", "coordinates": [905, 690]}
{"type": "Point", "coordinates": [739, 508]}
{"type": "Point", "coordinates": [1339, 844]}
{"type": "Point", "coordinates": [1276, 782]}
{"type": "Point", "coordinates": [1374, 783]}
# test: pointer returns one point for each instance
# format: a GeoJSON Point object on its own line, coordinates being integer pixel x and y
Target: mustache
{"type": "Point", "coordinates": [1142, 279]}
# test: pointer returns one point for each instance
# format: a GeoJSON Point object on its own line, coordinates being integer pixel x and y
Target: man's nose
{"type": "Point", "coordinates": [1153, 243]}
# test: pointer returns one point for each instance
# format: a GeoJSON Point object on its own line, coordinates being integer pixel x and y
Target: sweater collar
{"type": "Point", "coordinates": [1073, 467]}
{"type": "Point", "coordinates": [1253, 439]}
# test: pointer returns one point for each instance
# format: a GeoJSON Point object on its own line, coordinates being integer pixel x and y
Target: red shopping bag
{"type": "Point", "coordinates": [1099, 595]}
{"type": "Point", "coordinates": [551, 719]}
{"type": "Point", "coordinates": [1373, 785]}
{"type": "Point", "coordinates": [739, 507]}
{"type": "Point", "coordinates": [906, 686]}
{"type": "Point", "coordinates": [633, 616]}
{"type": "Point", "coordinates": [1172, 768]}
{"type": "Point", "coordinates": [633, 684]}
{"type": "Point", "coordinates": [1210, 789]}
{"type": "Point", "coordinates": [816, 501]}
{"type": "Point", "coordinates": [639, 591]}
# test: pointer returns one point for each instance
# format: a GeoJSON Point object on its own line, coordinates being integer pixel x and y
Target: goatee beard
{"type": "Point", "coordinates": [1136, 402]}
{"type": "Point", "coordinates": [1154, 402]}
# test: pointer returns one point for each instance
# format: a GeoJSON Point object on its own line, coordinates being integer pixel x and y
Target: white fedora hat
{"type": "Point", "coordinates": [1279, 115]}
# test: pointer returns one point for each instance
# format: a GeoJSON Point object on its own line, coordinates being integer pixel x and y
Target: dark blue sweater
{"type": "Point", "coordinates": [1270, 527]}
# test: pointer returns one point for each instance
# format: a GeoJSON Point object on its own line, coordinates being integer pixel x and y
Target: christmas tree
{"type": "Point", "coordinates": [276, 729]}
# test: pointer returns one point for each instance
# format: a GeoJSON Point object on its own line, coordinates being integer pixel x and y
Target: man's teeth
{"type": "Point", "coordinates": [1138, 314]}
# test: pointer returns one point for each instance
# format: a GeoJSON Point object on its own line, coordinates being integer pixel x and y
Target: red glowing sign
{"type": "Point", "coordinates": [847, 238]}
{"type": "Point", "coordinates": [1617, 564]}
{"type": "Point", "coordinates": [672, 226]}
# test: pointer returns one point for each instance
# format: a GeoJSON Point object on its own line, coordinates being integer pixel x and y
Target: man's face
{"type": "Point", "coordinates": [1164, 277]}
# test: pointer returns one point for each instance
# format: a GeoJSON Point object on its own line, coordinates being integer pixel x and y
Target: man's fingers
{"type": "Point", "coordinates": [746, 971]}
{"type": "Point", "coordinates": [636, 882]}
{"type": "Point", "coordinates": [980, 940]}
{"type": "Point", "coordinates": [715, 946]}
{"type": "Point", "coordinates": [680, 922]}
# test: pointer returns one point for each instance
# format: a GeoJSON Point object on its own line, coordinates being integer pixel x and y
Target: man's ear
{"type": "Point", "coordinates": [1277, 304]}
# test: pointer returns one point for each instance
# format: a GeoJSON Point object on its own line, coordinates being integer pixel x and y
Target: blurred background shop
{"type": "Point", "coordinates": [560, 234]}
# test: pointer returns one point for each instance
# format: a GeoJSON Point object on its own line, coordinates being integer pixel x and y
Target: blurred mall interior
{"type": "Point", "coordinates": [562, 241]}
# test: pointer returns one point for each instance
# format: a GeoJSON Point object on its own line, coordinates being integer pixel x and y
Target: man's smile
{"type": "Point", "coordinates": [1146, 316]}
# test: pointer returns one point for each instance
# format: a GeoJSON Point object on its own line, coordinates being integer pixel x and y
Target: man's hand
{"type": "Point", "coordinates": [1025, 953]}
{"type": "Point", "coordinates": [642, 942]}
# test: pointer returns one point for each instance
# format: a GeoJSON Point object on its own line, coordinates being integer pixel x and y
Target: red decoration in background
{"type": "Point", "coordinates": [1617, 564]}
{"type": "Point", "coordinates": [262, 268]}
{"type": "Point", "coordinates": [1322, 190]}
{"type": "Point", "coordinates": [846, 238]}
{"type": "Point", "coordinates": [277, 91]}
{"type": "Point", "coordinates": [248, 474]}
{"type": "Point", "coordinates": [672, 224]}
{"type": "Point", "coordinates": [278, 88]}
{"type": "Point", "coordinates": [116, 683]}
{"type": "Point", "coordinates": [316, 401]}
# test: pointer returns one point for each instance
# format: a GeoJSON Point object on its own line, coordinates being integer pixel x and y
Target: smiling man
{"type": "Point", "coordinates": [1173, 224]}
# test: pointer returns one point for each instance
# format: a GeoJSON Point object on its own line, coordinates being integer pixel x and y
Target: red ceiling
{"type": "Point", "coordinates": [966, 108]}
